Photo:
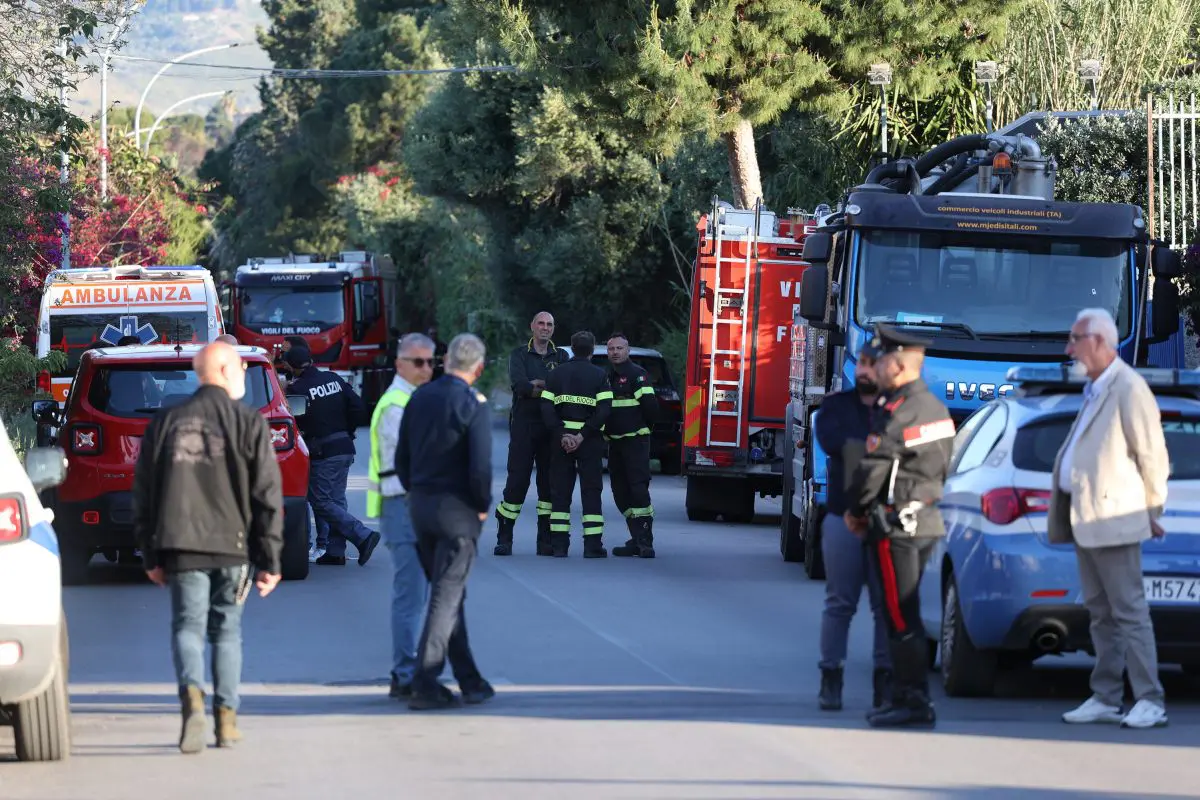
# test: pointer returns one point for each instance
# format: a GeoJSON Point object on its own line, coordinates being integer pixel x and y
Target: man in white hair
{"type": "Point", "coordinates": [1109, 492]}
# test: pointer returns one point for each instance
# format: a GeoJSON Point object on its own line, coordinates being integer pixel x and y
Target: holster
{"type": "Point", "coordinates": [879, 523]}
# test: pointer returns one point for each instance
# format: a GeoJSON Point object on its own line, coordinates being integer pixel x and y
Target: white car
{"type": "Point", "coordinates": [33, 628]}
{"type": "Point", "coordinates": [996, 592]}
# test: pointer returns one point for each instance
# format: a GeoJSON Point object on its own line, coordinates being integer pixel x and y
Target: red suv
{"type": "Point", "coordinates": [116, 392]}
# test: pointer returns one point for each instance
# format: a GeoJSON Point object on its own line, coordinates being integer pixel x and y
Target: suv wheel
{"type": "Point", "coordinates": [294, 558]}
{"type": "Point", "coordinates": [966, 670]}
{"type": "Point", "coordinates": [74, 562]}
{"type": "Point", "coordinates": [42, 724]}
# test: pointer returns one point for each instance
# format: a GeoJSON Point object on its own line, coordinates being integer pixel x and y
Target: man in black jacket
{"type": "Point", "coordinates": [444, 458]}
{"type": "Point", "coordinates": [634, 410]}
{"type": "Point", "coordinates": [575, 405]}
{"type": "Point", "coordinates": [529, 366]}
{"type": "Point", "coordinates": [208, 505]}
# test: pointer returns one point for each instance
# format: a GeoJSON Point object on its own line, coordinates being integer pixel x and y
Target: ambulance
{"type": "Point", "coordinates": [92, 307]}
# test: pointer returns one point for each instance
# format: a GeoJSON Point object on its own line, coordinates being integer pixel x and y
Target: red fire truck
{"type": "Point", "coordinates": [745, 288]}
{"type": "Point", "coordinates": [340, 305]}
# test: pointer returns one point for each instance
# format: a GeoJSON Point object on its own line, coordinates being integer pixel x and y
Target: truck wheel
{"type": "Point", "coordinates": [42, 724]}
{"type": "Point", "coordinates": [740, 504]}
{"type": "Point", "coordinates": [74, 561]}
{"type": "Point", "coordinates": [295, 548]}
{"type": "Point", "coordinates": [791, 544]}
{"type": "Point", "coordinates": [814, 558]}
{"type": "Point", "coordinates": [966, 670]}
{"type": "Point", "coordinates": [698, 499]}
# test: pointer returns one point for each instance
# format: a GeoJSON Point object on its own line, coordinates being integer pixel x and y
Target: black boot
{"type": "Point", "coordinates": [830, 697]}
{"type": "Point", "coordinates": [909, 708]}
{"type": "Point", "coordinates": [504, 536]}
{"type": "Point", "coordinates": [544, 547]}
{"type": "Point", "coordinates": [560, 543]}
{"type": "Point", "coordinates": [882, 682]}
{"type": "Point", "coordinates": [630, 548]}
{"type": "Point", "coordinates": [593, 547]}
{"type": "Point", "coordinates": [645, 537]}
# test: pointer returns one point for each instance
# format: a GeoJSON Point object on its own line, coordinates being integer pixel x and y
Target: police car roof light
{"type": "Point", "coordinates": [1045, 378]}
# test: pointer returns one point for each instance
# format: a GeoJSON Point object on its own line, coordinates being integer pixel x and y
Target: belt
{"type": "Point", "coordinates": [333, 437]}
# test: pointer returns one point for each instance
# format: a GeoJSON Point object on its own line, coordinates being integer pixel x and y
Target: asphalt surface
{"type": "Point", "coordinates": [693, 675]}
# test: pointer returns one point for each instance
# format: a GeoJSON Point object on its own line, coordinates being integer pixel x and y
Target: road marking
{"type": "Point", "coordinates": [570, 612]}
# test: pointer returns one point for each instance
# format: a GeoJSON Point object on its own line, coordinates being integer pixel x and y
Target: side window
{"type": "Point", "coordinates": [966, 431]}
{"type": "Point", "coordinates": [366, 304]}
{"type": "Point", "coordinates": [988, 433]}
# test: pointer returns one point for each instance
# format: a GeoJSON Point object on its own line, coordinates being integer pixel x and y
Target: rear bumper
{"type": "Point", "coordinates": [32, 673]}
{"type": "Point", "coordinates": [1176, 630]}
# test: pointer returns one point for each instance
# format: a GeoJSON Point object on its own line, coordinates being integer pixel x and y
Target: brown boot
{"type": "Point", "coordinates": [227, 730]}
{"type": "Point", "coordinates": [191, 736]}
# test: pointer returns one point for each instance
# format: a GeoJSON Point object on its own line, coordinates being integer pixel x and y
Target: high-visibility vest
{"type": "Point", "coordinates": [393, 397]}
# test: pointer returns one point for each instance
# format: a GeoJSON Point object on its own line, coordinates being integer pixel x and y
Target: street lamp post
{"type": "Point", "coordinates": [1089, 70]}
{"type": "Point", "coordinates": [137, 117]}
{"type": "Point", "coordinates": [986, 73]}
{"type": "Point", "coordinates": [108, 47]}
{"type": "Point", "coordinates": [64, 175]}
{"type": "Point", "coordinates": [881, 75]}
{"type": "Point", "coordinates": [167, 113]}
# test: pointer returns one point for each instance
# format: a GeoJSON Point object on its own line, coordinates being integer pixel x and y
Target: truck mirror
{"type": "Point", "coordinates": [297, 404]}
{"type": "Point", "coordinates": [817, 248]}
{"type": "Point", "coordinates": [46, 467]}
{"type": "Point", "coordinates": [814, 292]}
{"type": "Point", "coordinates": [1165, 262]}
{"type": "Point", "coordinates": [1164, 314]}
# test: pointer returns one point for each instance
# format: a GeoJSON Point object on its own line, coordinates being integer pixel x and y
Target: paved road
{"type": "Point", "coordinates": [693, 675]}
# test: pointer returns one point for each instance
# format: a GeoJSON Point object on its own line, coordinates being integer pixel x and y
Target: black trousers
{"type": "Point", "coordinates": [629, 475]}
{"type": "Point", "coordinates": [899, 563]}
{"type": "Point", "coordinates": [528, 445]}
{"type": "Point", "coordinates": [447, 533]}
{"type": "Point", "coordinates": [587, 462]}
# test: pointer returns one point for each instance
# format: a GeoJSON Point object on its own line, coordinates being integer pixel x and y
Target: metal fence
{"type": "Point", "coordinates": [1173, 181]}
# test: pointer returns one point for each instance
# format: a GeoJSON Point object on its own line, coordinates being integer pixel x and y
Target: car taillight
{"type": "Point", "coordinates": [283, 434]}
{"type": "Point", "coordinates": [44, 384]}
{"type": "Point", "coordinates": [12, 518]}
{"type": "Point", "coordinates": [85, 440]}
{"type": "Point", "coordinates": [1007, 505]}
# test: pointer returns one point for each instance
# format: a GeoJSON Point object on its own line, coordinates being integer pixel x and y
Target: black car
{"type": "Point", "coordinates": [666, 437]}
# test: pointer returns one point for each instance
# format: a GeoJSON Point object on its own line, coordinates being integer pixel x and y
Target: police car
{"type": "Point", "coordinates": [995, 591]}
{"type": "Point", "coordinates": [33, 630]}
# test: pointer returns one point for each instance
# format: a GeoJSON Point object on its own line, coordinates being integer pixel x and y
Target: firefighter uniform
{"type": "Point", "coordinates": [528, 444]}
{"type": "Point", "coordinates": [334, 413]}
{"type": "Point", "coordinates": [577, 400]}
{"type": "Point", "coordinates": [634, 409]}
{"type": "Point", "coordinates": [896, 487]}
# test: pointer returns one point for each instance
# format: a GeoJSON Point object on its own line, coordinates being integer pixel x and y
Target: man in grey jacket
{"type": "Point", "coordinates": [208, 505]}
{"type": "Point", "coordinates": [1109, 492]}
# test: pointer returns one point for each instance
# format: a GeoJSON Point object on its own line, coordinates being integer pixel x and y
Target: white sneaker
{"type": "Point", "coordinates": [1145, 714]}
{"type": "Point", "coordinates": [1093, 711]}
{"type": "Point", "coordinates": [314, 553]}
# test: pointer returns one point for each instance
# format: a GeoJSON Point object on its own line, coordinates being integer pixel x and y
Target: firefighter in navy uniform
{"type": "Point", "coordinates": [576, 404]}
{"type": "Point", "coordinates": [334, 413]}
{"type": "Point", "coordinates": [529, 366]}
{"type": "Point", "coordinates": [634, 409]}
{"type": "Point", "coordinates": [892, 502]}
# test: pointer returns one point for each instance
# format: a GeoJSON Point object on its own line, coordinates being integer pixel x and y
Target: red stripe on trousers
{"type": "Point", "coordinates": [891, 592]}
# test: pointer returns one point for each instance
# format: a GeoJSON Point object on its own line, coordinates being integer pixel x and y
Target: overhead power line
{"type": "Point", "coordinates": [317, 74]}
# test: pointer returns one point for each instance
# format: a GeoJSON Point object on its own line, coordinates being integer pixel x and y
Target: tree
{"type": "Point", "coordinates": [722, 67]}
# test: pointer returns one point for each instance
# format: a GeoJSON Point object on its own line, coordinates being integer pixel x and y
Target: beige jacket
{"type": "Point", "coordinates": [1119, 468]}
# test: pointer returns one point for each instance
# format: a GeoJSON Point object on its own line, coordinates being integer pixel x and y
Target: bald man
{"type": "Point", "coordinates": [227, 338]}
{"type": "Point", "coordinates": [529, 440]}
{"type": "Point", "coordinates": [208, 510]}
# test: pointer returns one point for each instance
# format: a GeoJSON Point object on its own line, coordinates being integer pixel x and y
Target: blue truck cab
{"type": "Point", "coordinates": [966, 247]}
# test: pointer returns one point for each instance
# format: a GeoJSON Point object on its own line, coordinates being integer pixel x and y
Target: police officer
{"type": "Point", "coordinates": [892, 502]}
{"type": "Point", "coordinates": [529, 366]}
{"type": "Point", "coordinates": [576, 404]}
{"type": "Point", "coordinates": [841, 429]}
{"type": "Point", "coordinates": [334, 413]}
{"type": "Point", "coordinates": [634, 409]}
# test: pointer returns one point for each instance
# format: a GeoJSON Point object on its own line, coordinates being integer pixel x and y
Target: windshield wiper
{"type": "Point", "coordinates": [950, 326]}
{"type": "Point", "coordinates": [1055, 335]}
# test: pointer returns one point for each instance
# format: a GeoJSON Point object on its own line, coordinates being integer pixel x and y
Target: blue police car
{"type": "Point", "coordinates": [996, 593]}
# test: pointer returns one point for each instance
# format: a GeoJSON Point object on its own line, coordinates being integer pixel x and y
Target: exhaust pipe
{"type": "Point", "coordinates": [1049, 639]}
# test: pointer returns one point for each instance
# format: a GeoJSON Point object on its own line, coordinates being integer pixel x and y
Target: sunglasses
{"type": "Point", "coordinates": [420, 363]}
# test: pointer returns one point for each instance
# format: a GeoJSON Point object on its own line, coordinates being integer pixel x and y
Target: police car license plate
{"type": "Point", "coordinates": [1167, 589]}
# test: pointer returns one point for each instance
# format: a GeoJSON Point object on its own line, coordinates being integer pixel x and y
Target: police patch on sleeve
{"type": "Point", "coordinates": [872, 442]}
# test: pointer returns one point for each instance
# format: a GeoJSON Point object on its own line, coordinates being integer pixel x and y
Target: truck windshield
{"type": "Point", "coordinates": [319, 307]}
{"type": "Point", "coordinates": [999, 285]}
{"type": "Point", "coordinates": [74, 333]}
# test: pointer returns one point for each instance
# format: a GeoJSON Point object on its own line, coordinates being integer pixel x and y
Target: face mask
{"type": "Point", "coordinates": [1076, 369]}
{"type": "Point", "coordinates": [866, 386]}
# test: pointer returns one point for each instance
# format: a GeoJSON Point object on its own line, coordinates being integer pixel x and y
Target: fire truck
{"type": "Point", "coordinates": [340, 305]}
{"type": "Point", "coordinates": [745, 286]}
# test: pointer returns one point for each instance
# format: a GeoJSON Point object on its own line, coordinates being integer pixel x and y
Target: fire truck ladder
{"type": "Point", "coordinates": [737, 298]}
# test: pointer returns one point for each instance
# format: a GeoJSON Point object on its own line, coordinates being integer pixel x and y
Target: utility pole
{"type": "Point", "coordinates": [881, 75]}
{"type": "Point", "coordinates": [64, 170]}
{"type": "Point", "coordinates": [108, 47]}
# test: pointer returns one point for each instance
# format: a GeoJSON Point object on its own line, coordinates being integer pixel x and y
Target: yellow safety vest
{"type": "Point", "coordinates": [393, 397]}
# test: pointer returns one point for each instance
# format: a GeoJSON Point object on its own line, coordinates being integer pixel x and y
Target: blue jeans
{"type": "Point", "coordinates": [410, 588]}
{"type": "Point", "coordinates": [204, 604]}
{"type": "Point", "coordinates": [327, 496]}
{"type": "Point", "coordinates": [846, 573]}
